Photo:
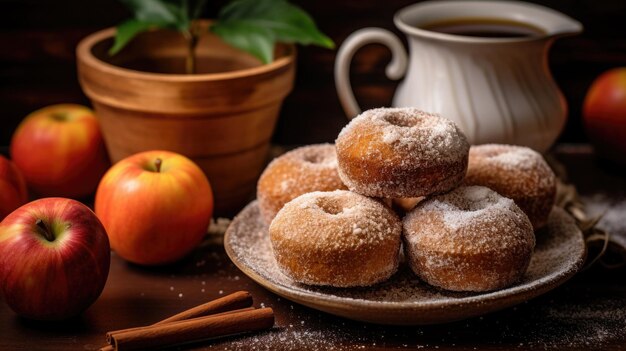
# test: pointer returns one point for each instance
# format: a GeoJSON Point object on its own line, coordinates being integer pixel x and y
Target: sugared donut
{"type": "Point", "coordinates": [337, 238]}
{"type": "Point", "coordinates": [401, 152]}
{"type": "Point", "coordinates": [471, 239]}
{"type": "Point", "coordinates": [518, 173]}
{"type": "Point", "coordinates": [300, 171]}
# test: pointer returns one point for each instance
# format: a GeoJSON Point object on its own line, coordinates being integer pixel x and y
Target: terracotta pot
{"type": "Point", "coordinates": [222, 118]}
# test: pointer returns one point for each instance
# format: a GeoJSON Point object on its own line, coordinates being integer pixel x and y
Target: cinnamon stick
{"type": "Point", "coordinates": [240, 300]}
{"type": "Point", "coordinates": [196, 329]}
{"type": "Point", "coordinates": [236, 300]}
{"type": "Point", "coordinates": [107, 335]}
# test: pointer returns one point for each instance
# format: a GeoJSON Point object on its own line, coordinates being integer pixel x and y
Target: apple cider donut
{"type": "Point", "coordinates": [470, 239]}
{"type": "Point", "coordinates": [401, 152]}
{"type": "Point", "coordinates": [300, 171]}
{"type": "Point", "coordinates": [518, 173]}
{"type": "Point", "coordinates": [337, 238]}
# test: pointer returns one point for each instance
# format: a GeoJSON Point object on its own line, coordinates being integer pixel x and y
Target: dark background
{"type": "Point", "coordinates": [37, 62]}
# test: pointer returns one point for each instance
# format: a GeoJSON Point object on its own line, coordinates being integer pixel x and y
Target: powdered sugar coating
{"type": "Point", "coordinates": [518, 173]}
{"type": "Point", "coordinates": [559, 254]}
{"type": "Point", "coordinates": [300, 171]}
{"type": "Point", "coordinates": [401, 152]}
{"type": "Point", "coordinates": [471, 239]}
{"type": "Point", "coordinates": [336, 238]}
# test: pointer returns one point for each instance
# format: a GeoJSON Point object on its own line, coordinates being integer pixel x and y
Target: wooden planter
{"type": "Point", "coordinates": [222, 118]}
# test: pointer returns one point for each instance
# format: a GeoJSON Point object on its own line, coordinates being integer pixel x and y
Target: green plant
{"type": "Point", "coordinates": [250, 25]}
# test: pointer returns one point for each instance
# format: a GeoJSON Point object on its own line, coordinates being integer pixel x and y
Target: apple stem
{"type": "Point", "coordinates": [45, 230]}
{"type": "Point", "coordinates": [157, 164]}
{"type": "Point", "coordinates": [59, 116]}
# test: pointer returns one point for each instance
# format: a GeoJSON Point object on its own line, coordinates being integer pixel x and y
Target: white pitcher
{"type": "Point", "coordinates": [498, 90]}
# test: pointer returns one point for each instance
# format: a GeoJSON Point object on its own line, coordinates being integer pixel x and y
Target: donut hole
{"type": "Point", "coordinates": [473, 198]}
{"type": "Point", "coordinates": [400, 120]}
{"type": "Point", "coordinates": [330, 206]}
{"type": "Point", "coordinates": [314, 158]}
{"type": "Point", "coordinates": [469, 206]}
{"type": "Point", "coordinates": [491, 153]}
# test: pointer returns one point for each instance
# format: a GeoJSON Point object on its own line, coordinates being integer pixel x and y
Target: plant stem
{"type": "Point", "coordinates": [45, 230]}
{"type": "Point", "coordinates": [192, 41]}
{"type": "Point", "coordinates": [157, 163]}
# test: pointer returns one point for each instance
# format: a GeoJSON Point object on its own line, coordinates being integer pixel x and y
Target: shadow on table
{"type": "Point", "coordinates": [207, 259]}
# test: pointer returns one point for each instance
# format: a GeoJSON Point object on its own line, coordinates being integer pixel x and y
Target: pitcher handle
{"type": "Point", "coordinates": [394, 70]}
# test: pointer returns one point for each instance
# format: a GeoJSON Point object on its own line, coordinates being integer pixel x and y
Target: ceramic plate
{"type": "Point", "coordinates": [404, 299]}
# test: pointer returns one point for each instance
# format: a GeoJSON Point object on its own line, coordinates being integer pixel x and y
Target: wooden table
{"type": "Point", "coordinates": [588, 312]}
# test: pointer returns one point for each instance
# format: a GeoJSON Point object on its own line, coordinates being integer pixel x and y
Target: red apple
{"type": "Point", "coordinates": [604, 114]}
{"type": "Point", "coordinates": [13, 193]}
{"type": "Point", "coordinates": [155, 205]}
{"type": "Point", "coordinates": [54, 259]}
{"type": "Point", "coordinates": [60, 151]}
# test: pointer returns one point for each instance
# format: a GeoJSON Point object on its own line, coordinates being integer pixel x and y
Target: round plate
{"type": "Point", "coordinates": [404, 299]}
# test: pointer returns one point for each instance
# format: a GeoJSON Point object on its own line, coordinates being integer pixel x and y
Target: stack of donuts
{"type": "Point", "coordinates": [401, 184]}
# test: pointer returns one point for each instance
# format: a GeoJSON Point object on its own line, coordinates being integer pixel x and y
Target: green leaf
{"type": "Point", "coordinates": [155, 11]}
{"type": "Point", "coordinates": [151, 14]}
{"type": "Point", "coordinates": [257, 41]}
{"type": "Point", "coordinates": [242, 22]}
{"type": "Point", "coordinates": [126, 32]}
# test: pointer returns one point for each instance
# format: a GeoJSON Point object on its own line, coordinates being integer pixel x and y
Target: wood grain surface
{"type": "Point", "coordinates": [587, 312]}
